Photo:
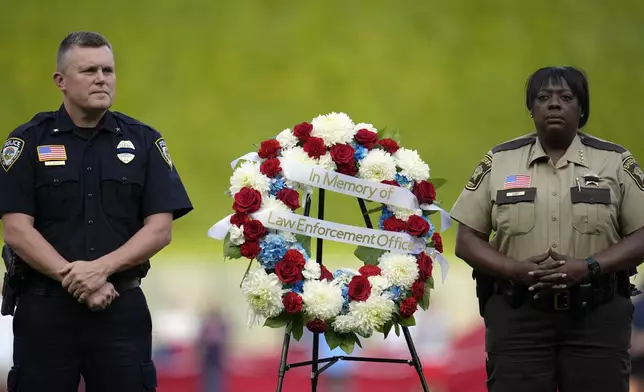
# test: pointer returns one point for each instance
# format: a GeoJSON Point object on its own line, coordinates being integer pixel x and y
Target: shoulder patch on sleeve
{"type": "Point", "coordinates": [163, 149]}
{"type": "Point", "coordinates": [633, 169]}
{"type": "Point", "coordinates": [513, 144]}
{"type": "Point", "coordinates": [11, 152]}
{"type": "Point", "coordinates": [481, 170]}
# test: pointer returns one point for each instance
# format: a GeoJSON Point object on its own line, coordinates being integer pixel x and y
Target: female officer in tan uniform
{"type": "Point", "coordinates": [567, 211]}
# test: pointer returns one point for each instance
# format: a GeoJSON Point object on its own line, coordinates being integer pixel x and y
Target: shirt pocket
{"type": "Point", "coordinates": [515, 211]}
{"type": "Point", "coordinates": [58, 194]}
{"type": "Point", "coordinates": [121, 192]}
{"type": "Point", "coordinates": [590, 209]}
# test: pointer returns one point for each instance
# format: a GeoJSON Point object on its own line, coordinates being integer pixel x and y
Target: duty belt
{"type": "Point", "coordinates": [54, 289]}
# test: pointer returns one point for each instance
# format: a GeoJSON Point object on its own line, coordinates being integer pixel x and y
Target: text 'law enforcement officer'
{"type": "Point", "coordinates": [88, 196]}
{"type": "Point", "coordinates": [567, 211]}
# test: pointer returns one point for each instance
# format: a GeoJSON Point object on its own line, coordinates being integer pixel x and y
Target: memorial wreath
{"type": "Point", "coordinates": [289, 288]}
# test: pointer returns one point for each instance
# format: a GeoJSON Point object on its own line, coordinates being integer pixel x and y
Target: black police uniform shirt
{"type": "Point", "coordinates": [89, 190]}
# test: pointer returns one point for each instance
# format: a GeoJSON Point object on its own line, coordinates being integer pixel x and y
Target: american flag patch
{"type": "Point", "coordinates": [52, 153]}
{"type": "Point", "coordinates": [516, 181]}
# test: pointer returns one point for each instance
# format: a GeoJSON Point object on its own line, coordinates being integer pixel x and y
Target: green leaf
{"type": "Point", "coordinates": [430, 283]}
{"type": "Point", "coordinates": [407, 322]}
{"type": "Point", "coordinates": [386, 329]}
{"type": "Point", "coordinates": [279, 321]}
{"type": "Point", "coordinates": [424, 302]}
{"type": "Point", "coordinates": [438, 182]}
{"type": "Point", "coordinates": [397, 329]}
{"type": "Point", "coordinates": [305, 241]}
{"type": "Point", "coordinates": [368, 255]}
{"type": "Point", "coordinates": [348, 345]}
{"type": "Point", "coordinates": [391, 134]}
{"type": "Point", "coordinates": [231, 251]}
{"type": "Point", "coordinates": [297, 326]}
{"type": "Point", "coordinates": [357, 340]}
{"type": "Point", "coordinates": [333, 339]}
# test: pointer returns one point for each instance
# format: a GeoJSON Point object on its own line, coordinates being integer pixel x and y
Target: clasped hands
{"type": "Point", "coordinates": [87, 282]}
{"type": "Point", "coordinates": [549, 272]}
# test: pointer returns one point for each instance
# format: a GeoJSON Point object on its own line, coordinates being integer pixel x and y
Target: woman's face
{"type": "Point", "coordinates": [556, 110]}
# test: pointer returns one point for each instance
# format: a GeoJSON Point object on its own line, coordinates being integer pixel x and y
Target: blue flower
{"type": "Point", "coordinates": [396, 293]}
{"type": "Point", "coordinates": [276, 185]}
{"type": "Point", "coordinates": [345, 295]}
{"type": "Point", "coordinates": [386, 214]}
{"type": "Point", "coordinates": [360, 153]}
{"type": "Point", "coordinates": [298, 287]}
{"type": "Point", "coordinates": [273, 248]}
{"type": "Point", "coordinates": [300, 248]}
{"type": "Point", "coordinates": [403, 181]}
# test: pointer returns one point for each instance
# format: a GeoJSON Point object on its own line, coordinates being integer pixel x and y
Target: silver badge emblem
{"type": "Point", "coordinates": [125, 151]}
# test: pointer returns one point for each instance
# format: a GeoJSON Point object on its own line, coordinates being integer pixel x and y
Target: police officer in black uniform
{"type": "Point", "coordinates": [88, 196]}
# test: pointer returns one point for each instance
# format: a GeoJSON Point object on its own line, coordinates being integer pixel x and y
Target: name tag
{"type": "Point", "coordinates": [511, 194]}
{"type": "Point", "coordinates": [54, 163]}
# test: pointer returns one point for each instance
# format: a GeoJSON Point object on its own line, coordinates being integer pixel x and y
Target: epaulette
{"type": "Point", "coordinates": [600, 144]}
{"type": "Point", "coordinates": [36, 120]}
{"type": "Point", "coordinates": [513, 144]}
{"type": "Point", "coordinates": [130, 121]}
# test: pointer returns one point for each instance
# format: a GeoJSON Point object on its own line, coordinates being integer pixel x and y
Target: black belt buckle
{"type": "Point", "coordinates": [562, 300]}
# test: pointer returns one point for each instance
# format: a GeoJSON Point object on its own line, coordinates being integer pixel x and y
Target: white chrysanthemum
{"type": "Point", "coordinates": [364, 317]}
{"type": "Point", "coordinates": [404, 213]}
{"type": "Point", "coordinates": [288, 236]}
{"type": "Point", "coordinates": [326, 162]}
{"type": "Point", "coordinates": [322, 299]}
{"type": "Point", "coordinates": [333, 128]}
{"type": "Point", "coordinates": [263, 293]}
{"type": "Point", "coordinates": [378, 284]}
{"type": "Point", "coordinates": [411, 164]}
{"type": "Point", "coordinates": [248, 175]}
{"type": "Point", "coordinates": [297, 155]}
{"type": "Point", "coordinates": [287, 139]}
{"type": "Point", "coordinates": [312, 270]}
{"type": "Point", "coordinates": [377, 166]}
{"type": "Point", "coordinates": [399, 268]}
{"type": "Point", "coordinates": [367, 126]}
{"type": "Point", "coordinates": [236, 235]}
{"type": "Point", "coordinates": [271, 203]}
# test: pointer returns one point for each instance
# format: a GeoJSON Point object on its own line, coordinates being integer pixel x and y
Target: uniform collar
{"type": "Point", "coordinates": [575, 152]}
{"type": "Point", "coordinates": [64, 123]}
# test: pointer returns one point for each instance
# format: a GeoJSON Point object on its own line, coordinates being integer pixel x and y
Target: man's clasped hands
{"type": "Point", "coordinates": [87, 282]}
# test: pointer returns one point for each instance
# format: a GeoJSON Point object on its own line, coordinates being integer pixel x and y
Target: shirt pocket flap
{"type": "Point", "coordinates": [515, 195]}
{"type": "Point", "coordinates": [590, 195]}
{"type": "Point", "coordinates": [123, 175]}
{"type": "Point", "coordinates": [56, 178]}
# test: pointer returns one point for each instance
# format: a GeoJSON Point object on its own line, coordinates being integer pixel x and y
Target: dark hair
{"type": "Point", "coordinates": [84, 39]}
{"type": "Point", "coordinates": [575, 78]}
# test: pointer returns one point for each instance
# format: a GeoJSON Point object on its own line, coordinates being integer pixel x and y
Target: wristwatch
{"type": "Point", "coordinates": [594, 271]}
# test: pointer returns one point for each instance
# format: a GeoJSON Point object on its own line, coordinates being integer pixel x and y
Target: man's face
{"type": "Point", "coordinates": [87, 78]}
{"type": "Point", "coordinates": [556, 108]}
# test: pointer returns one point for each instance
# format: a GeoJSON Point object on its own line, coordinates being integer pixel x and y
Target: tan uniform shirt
{"type": "Point", "coordinates": [585, 203]}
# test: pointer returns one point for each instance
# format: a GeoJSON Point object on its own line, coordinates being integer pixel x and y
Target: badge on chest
{"type": "Point", "coordinates": [125, 151]}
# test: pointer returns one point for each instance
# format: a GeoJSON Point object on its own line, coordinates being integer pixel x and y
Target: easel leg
{"type": "Point", "coordinates": [415, 359]}
{"type": "Point", "coordinates": [314, 365]}
{"type": "Point", "coordinates": [282, 369]}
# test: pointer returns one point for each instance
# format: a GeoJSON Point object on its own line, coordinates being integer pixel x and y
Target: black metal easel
{"type": "Point", "coordinates": [315, 373]}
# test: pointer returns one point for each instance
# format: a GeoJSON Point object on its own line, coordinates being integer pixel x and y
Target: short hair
{"type": "Point", "coordinates": [84, 39]}
{"type": "Point", "coordinates": [575, 78]}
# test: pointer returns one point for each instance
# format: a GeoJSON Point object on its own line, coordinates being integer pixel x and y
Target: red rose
{"type": "Point", "coordinates": [350, 169]}
{"type": "Point", "coordinates": [418, 290]}
{"type": "Point", "coordinates": [254, 230]}
{"type": "Point", "coordinates": [389, 145]}
{"type": "Point", "coordinates": [369, 270]}
{"type": "Point", "coordinates": [417, 226]}
{"type": "Point", "coordinates": [289, 271]}
{"type": "Point", "coordinates": [316, 326]}
{"type": "Point", "coordinates": [269, 149]}
{"type": "Point", "coordinates": [367, 138]}
{"type": "Point", "coordinates": [270, 167]}
{"type": "Point", "coordinates": [289, 197]}
{"type": "Point", "coordinates": [394, 224]}
{"type": "Point", "coordinates": [250, 249]}
{"type": "Point", "coordinates": [425, 266]}
{"type": "Point", "coordinates": [247, 200]}
{"type": "Point", "coordinates": [425, 192]}
{"type": "Point", "coordinates": [359, 288]}
{"type": "Point", "coordinates": [315, 147]}
{"type": "Point", "coordinates": [294, 256]}
{"type": "Point", "coordinates": [408, 307]}
{"type": "Point", "coordinates": [302, 131]}
{"type": "Point", "coordinates": [326, 274]}
{"type": "Point", "coordinates": [438, 242]}
{"type": "Point", "coordinates": [292, 302]}
{"type": "Point", "coordinates": [390, 182]}
{"type": "Point", "coordinates": [239, 218]}
{"type": "Point", "coordinates": [342, 153]}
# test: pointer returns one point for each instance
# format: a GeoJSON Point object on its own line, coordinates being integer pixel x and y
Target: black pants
{"type": "Point", "coordinates": [532, 350]}
{"type": "Point", "coordinates": [56, 339]}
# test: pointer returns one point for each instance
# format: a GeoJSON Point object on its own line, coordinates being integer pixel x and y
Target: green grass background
{"type": "Point", "coordinates": [218, 77]}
